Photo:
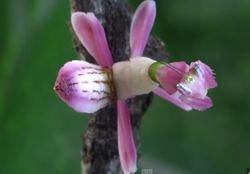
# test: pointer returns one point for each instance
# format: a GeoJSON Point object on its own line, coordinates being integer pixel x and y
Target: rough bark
{"type": "Point", "coordinates": [100, 150]}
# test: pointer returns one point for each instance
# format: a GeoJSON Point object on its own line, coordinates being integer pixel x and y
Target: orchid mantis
{"type": "Point", "coordinates": [87, 87]}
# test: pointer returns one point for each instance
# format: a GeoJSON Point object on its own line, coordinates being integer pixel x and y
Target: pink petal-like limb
{"type": "Point", "coordinates": [126, 145]}
{"type": "Point", "coordinates": [197, 103]}
{"type": "Point", "coordinates": [92, 35]}
{"type": "Point", "coordinates": [141, 26]}
{"type": "Point", "coordinates": [172, 98]}
{"type": "Point", "coordinates": [77, 86]}
{"type": "Point", "coordinates": [170, 75]}
{"type": "Point", "coordinates": [185, 102]}
{"type": "Point", "coordinates": [208, 73]}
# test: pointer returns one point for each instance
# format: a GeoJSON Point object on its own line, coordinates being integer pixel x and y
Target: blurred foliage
{"type": "Point", "coordinates": [39, 134]}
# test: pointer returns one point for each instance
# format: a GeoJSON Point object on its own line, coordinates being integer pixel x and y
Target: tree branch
{"type": "Point", "coordinates": [100, 152]}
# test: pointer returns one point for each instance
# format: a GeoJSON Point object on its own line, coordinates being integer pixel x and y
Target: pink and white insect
{"type": "Point", "coordinates": [86, 87]}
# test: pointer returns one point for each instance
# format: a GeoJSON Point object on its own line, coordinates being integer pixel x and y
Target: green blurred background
{"type": "Point", "coordinates": [39, 134]}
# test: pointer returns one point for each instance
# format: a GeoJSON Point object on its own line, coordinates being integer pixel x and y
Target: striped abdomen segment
{"type": "Point", "coordinates": [86, 88]}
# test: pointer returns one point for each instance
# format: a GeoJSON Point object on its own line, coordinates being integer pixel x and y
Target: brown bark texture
{"type": "Point", "coordinates": [100, 150]}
